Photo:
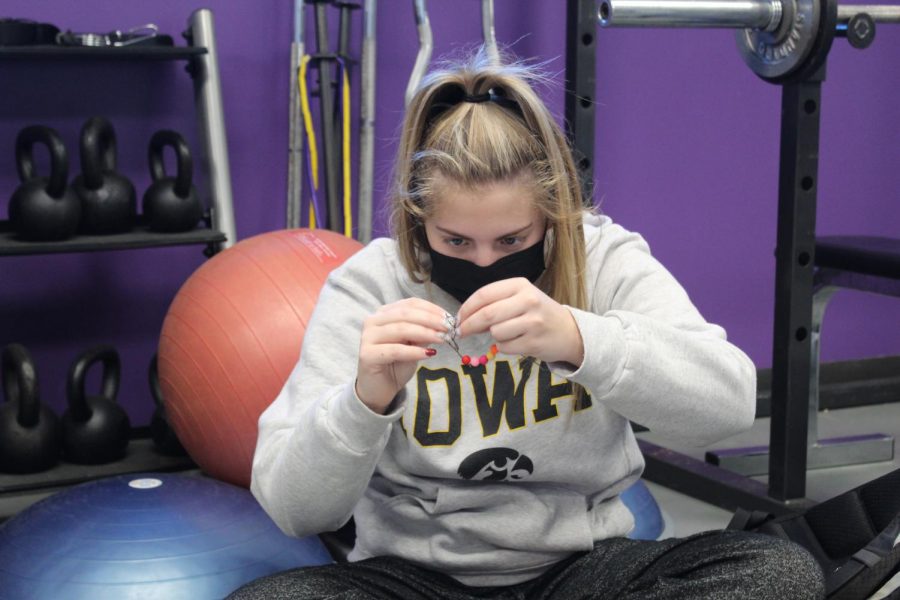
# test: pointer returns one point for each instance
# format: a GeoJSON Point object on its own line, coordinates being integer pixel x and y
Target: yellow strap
{"type": "Point", "coordinates": [310, 135]}
{"type": "Point", "coordinates": [348, 212]}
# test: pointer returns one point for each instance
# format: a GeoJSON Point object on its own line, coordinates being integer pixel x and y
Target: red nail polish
{"type": "Point", "coordinates": [430, 351]}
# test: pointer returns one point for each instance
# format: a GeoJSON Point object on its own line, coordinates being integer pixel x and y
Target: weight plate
{"type": "Point", "coordinates": [774, 55]}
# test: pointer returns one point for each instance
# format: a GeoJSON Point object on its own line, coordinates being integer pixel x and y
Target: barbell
{"type": "Point", "coordinates": [780, 40]}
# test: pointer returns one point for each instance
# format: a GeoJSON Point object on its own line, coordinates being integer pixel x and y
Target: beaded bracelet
{"type": "Point", "coordinates": [466, 360]}
{"type": "Point", "coordinates": [479, 360]}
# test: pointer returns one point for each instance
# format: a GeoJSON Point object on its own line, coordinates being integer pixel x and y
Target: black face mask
{"type": "Point", "coordinates": [461, 278]}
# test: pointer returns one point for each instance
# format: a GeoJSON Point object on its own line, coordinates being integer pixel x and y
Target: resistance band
{"type": "Point", "coordinates": [315, 215]}
{"type": "Point", "coordinates": [345, 119]}
{"type": "Point", "coordinates": [313, 152]}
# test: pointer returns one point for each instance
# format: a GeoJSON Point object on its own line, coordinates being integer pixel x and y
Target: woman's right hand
{"type": "Point", "coordinates": [394, 339]}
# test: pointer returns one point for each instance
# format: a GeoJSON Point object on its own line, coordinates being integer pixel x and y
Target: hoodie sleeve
{"type": "Point", "coordinates": [318, 444]}
{"type": "Point", "coordinates": [648, 353]}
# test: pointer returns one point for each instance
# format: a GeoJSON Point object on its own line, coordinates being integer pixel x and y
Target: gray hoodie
{"type": "Point", "coordinates": [491, 474]}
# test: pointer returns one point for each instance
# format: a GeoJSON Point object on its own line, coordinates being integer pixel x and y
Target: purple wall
{"type": "Point", "coordinates": [687, 153]}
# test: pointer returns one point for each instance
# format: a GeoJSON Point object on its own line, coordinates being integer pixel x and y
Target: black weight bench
{"type": "Point", "coordinates": [863, 263]}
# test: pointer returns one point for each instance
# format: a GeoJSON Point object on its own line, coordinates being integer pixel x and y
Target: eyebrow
{"type": "Point", "coordinates": [510, 234]}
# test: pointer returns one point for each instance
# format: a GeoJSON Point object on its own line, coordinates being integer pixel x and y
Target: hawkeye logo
{"type": "Point", "coordinates": [496, 464]}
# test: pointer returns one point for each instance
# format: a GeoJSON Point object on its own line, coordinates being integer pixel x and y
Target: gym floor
{"type": "Point", "coordinates": [685, 515]}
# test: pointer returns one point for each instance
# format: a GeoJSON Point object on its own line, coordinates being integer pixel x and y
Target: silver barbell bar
{"type": "Point", "coordinates": [426, 46]}
{"type": "Point", "coordinates": [879, 13]}
{"type": "Point", "coordinates": [752, 14]}
{"type": "Point", "coordinates": [747, 14]}
{"type": "Point", "coordinates": [775, 37]}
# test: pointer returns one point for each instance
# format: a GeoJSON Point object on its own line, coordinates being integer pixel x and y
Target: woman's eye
{"type": "Point", "coordinates": [455, 241]}
{"type": "Point", "coordinates": [509, 241]}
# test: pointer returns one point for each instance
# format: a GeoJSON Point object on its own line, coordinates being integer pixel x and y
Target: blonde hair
{"type": "Point", "coordinates": [511, 134]}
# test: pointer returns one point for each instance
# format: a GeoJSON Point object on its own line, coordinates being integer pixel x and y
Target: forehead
{"type": "Point", "coordinates": [498, 206]}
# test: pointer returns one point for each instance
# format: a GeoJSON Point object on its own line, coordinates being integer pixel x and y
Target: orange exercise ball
{"type": "Point", "coordinates": [233, 335]}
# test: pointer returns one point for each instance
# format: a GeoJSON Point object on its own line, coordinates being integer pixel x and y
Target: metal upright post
{"type": "Point", "coordinates": [581, 84]}
{"type": "Point", "coordinates": [295, 125]}
{"type": "Point", "coordinates": [795, 248]}
{"type": "Point", "coordinates": [426, 45]}
{"type": "Point", "coordinates": [343, 52]}
{"type": "Point", "coordinates": [326, 104]}
{"type": "Point", "coordinates": [488, 32]}
{"type": "Point", "coordinates": [367, 123]}
{"type": "Point", "coordinates": [204, 70]}
{"type": "Point", "coordinates": [345, 8]}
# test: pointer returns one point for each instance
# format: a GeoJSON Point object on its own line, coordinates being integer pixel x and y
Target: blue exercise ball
{"type": "Point", "coordinates": [648, 518]}
{"type": "Point", "coordinates": [155, 535]}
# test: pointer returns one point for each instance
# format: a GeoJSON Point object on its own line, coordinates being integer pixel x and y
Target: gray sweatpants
{"type": "Point", "coordinates": [712, 565]}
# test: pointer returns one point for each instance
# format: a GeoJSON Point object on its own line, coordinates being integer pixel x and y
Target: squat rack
{"type": "Point", "coordinates": [785, 42]}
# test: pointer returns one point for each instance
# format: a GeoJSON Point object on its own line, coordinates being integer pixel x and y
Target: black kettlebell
{"type": "Point", "coordinates": [30, 437]}
{"type": "Point", "coordinates": [108, 199]}
{"type": "Point", "coordinates": [170, 203]}
{"type": "Point", "coordinates": [163, 436]}
{"type": "Point", "coordinates": [43, 208]}
{"type": "Point", "coordinates": [95, 428]}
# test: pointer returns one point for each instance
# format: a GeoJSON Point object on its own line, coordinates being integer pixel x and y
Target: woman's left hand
{"type": "Point", "coordinates": [523, 320]}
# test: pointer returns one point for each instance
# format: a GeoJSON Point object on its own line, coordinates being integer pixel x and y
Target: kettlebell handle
{"type": "Point", "coordinates": [98, 151]}
{"type": "Point", "coordinates": [112, 368]}
{"type": "Point", "coordinates": [59, 160]}
{"type": "Point", "coordinates": [185, 165]}
{"type": "Point", "coordinates": [20, 383]}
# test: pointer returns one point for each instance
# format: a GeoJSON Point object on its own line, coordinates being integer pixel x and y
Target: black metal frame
{"type": "Point", "coordinates": [794, 259]}
{"type": "Point", "coordinates": [798, 184]}
{"type": "Point", "coordinates": [581, 83]}
{"type": "Point", "coordinates": [712, 484]}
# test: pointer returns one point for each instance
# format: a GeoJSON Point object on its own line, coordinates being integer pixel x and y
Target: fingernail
{"type": "Point", "coordinates": [430, 351]}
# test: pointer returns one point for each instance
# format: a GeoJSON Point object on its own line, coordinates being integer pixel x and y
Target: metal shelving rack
{"type": "Point", "coordinates": [203, 68]}
{"type": "Point", "coordinates": [219, 233]}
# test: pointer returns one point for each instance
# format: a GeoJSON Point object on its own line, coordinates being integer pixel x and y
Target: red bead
{"type": "Point", "coordinates": [494, 348]}
{"type": "Point", "coordinates": [483, 359]}
{"type": "Point", "coordinates": [466, 359]}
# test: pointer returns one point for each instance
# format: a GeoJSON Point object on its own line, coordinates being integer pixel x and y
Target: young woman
{"type": "Point", "coordinates": [466, 388]}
